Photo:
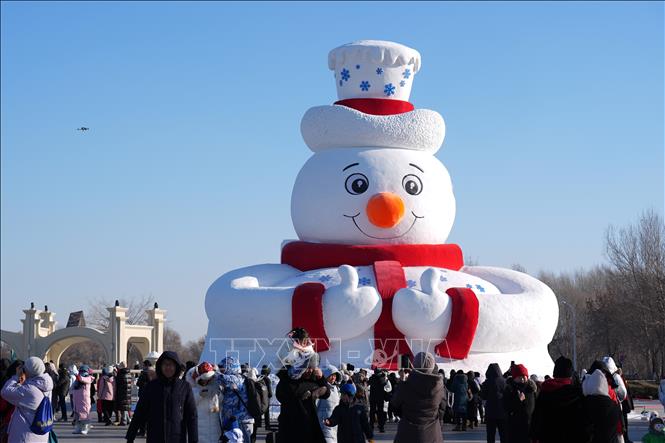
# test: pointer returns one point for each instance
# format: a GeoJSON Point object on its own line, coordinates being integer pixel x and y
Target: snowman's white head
{"type": "Point", "coordinates": [373, 196]}
{"type": "Point", "coordinates": [373, 178]}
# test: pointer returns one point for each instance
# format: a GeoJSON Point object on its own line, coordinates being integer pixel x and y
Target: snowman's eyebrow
{"type": "Point", "coordinates": [417, 167]}
{"type": "Point", "coordinates": [351, 165]}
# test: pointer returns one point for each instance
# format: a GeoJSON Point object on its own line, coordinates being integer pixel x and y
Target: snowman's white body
{"type": "Point", "coordinates": [515, 322]}
{"type": "Point", "coordinates": [334, 201]}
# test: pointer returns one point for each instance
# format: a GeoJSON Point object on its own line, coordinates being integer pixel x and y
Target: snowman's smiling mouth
{"type": "Point", "coordinates": [415, 219]}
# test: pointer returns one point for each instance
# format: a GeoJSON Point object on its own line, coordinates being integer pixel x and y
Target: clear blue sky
{"type": "Point", "coordinates": [554, 119]}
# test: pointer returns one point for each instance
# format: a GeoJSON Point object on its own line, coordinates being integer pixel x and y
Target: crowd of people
{"type": "Point", "coordinates": [321, 403]}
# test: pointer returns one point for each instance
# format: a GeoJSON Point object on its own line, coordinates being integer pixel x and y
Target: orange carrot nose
{"type": "Point", "coordinates": [385, 209]}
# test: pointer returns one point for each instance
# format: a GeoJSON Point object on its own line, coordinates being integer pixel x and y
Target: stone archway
{"type": "Point", "coordinates": [54, 345]}
{"type": "Point", "coordinates": [40, 337]}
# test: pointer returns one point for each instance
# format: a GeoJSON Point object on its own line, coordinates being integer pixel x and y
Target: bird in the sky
{"type": "Point", "coordinates": [82, 128]}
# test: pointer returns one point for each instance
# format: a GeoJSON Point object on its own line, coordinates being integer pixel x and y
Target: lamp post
{"type": "Point", "coordinates": [572, 309]}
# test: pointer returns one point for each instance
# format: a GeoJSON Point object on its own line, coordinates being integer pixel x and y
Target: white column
{"type": "Point", "coordinates": [157, 318]}
{"type": "Point", "coordinates": [117, 323]}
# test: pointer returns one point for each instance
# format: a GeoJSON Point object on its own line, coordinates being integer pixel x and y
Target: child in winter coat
{"type": "Point", "coordinates": [325, 407]}
{"type": "Point", "coordinates": [232, 431]}
{"type": "Point", "coordinates": [81, 398]}
{"type": "Point", "coordinates": [656, 430]}
{"type": "Point", "coordinates": [351, 419]}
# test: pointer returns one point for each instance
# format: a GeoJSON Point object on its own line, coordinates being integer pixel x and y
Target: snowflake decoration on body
{"type": "Point", "coordinates": [345, 74]}
{"type": "Point", "coordinates": [364, 281]}
{"type": "Point", "coordinates": [325, 278]}
{"type": "Point", "coordinates": [389, 89]}
{"type": "Point", "coordinates": [480, 288]}
{"type": "Point", "coordinates": [364, 85]}
{"type": "Point", "coordinates": [406, 73]}
{"type": "Point", "coordinates": [469, 286]}
{"type": "Point", "coordinates": [379, 71]}
{"type": "Point", "coordinates": [442, 278]}
{"type": "Point", "coordinates": [402, 83]}
{"type": "Point", "coordinates": [410, 283]}
{"type": "Point", "coordinates": [357, 66]}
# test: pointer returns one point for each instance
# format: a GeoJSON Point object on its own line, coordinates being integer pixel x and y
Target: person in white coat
{"type": "Point", "coordinates": [25, 391]}
{"type": "Point", "coordinates": [614, 370]}
{"type": "Point", "coordinates": [207, 394]}
{"type": "Point", "coordinates": [325, 407]}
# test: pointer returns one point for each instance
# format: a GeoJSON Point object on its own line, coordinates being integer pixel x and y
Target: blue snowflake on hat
{"type": "Point", "coordinates": [346, 75]}
{"type": "Point", "coordinates": [406, 73]}
{"type": "Point", "coordinates": [389, 89]}
{"type": "Point", "coordinates": [364, 85]}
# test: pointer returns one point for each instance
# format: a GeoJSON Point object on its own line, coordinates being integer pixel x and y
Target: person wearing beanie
{"type": "Point", "coordinates": [519, 400]}
{"type": "Point", "coordinates": [25, 390]}
{"type": "Point", "coordinates": [350, 418]}
{"type": "Point", "coordinates": [167, 406]}
{"type": "Point", "coordinates": [559, 412]}
{"type": "Point", "coordinates": [656, 432]}
{"type": "Point", "coordinates": [418, 401]}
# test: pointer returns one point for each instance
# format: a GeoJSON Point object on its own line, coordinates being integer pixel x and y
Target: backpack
{"type": "Point", "coordinates": [43, 422]}
{"type": "Point", "coordinates": [257, 397]}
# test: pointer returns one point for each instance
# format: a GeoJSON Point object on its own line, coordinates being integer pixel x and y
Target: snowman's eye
{"type": "Point", "coordinates": [412, 184]}
{"type": "Point", "coordinates": [356, 184]}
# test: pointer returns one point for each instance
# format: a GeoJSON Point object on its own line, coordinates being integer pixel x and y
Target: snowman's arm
{"type": "Point", "coordinates": [248, 300]}
{"type": "Point", "coordinates": [522, 316]}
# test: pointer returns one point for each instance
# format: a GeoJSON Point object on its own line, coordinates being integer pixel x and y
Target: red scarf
{"type": "Point", "coordinates": [387, 261]}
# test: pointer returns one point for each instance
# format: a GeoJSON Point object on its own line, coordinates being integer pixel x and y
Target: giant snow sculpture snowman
{"type": "Point", "coordinates": [371, 278]}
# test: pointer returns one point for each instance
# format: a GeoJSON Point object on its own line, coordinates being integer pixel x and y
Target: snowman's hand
{"type": "Point", "coordinates": [423, 313]}
{"type": "Point", "coordinates": [350, 310]}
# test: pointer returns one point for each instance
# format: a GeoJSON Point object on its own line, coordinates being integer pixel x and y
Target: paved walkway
{"type": "Point", "coordinates": [109, 434]}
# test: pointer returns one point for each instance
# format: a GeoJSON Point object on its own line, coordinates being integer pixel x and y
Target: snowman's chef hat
{"type": "Point", "coordinates": [372, 68]}
{"type": "Point", "coordinates": [373, 80]}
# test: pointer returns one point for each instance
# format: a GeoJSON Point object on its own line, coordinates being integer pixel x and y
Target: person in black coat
{"type": "Point", "coordinates": [167, 406]}
{"type": "Point", "coordinates": [265, 378]}
{"type": "Point", "coordinates": [350, 418]}
{"type": "Point", "coordinates": [492, 392]}
{"type": "Point", "coordinates": [472, 404]}
{"type": "Point", "coordinates": [61, 390]}
{"type": "Point", "coordinates": [519, 399]}
{"type": "Point", "coordinates": [123, 393]}
{"type": "Point", "coordinates": [559, 414]}
{"type": "Point", "coordinates": [298, 420]}
{"type": "Point", "coordinates": [377, 397]}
